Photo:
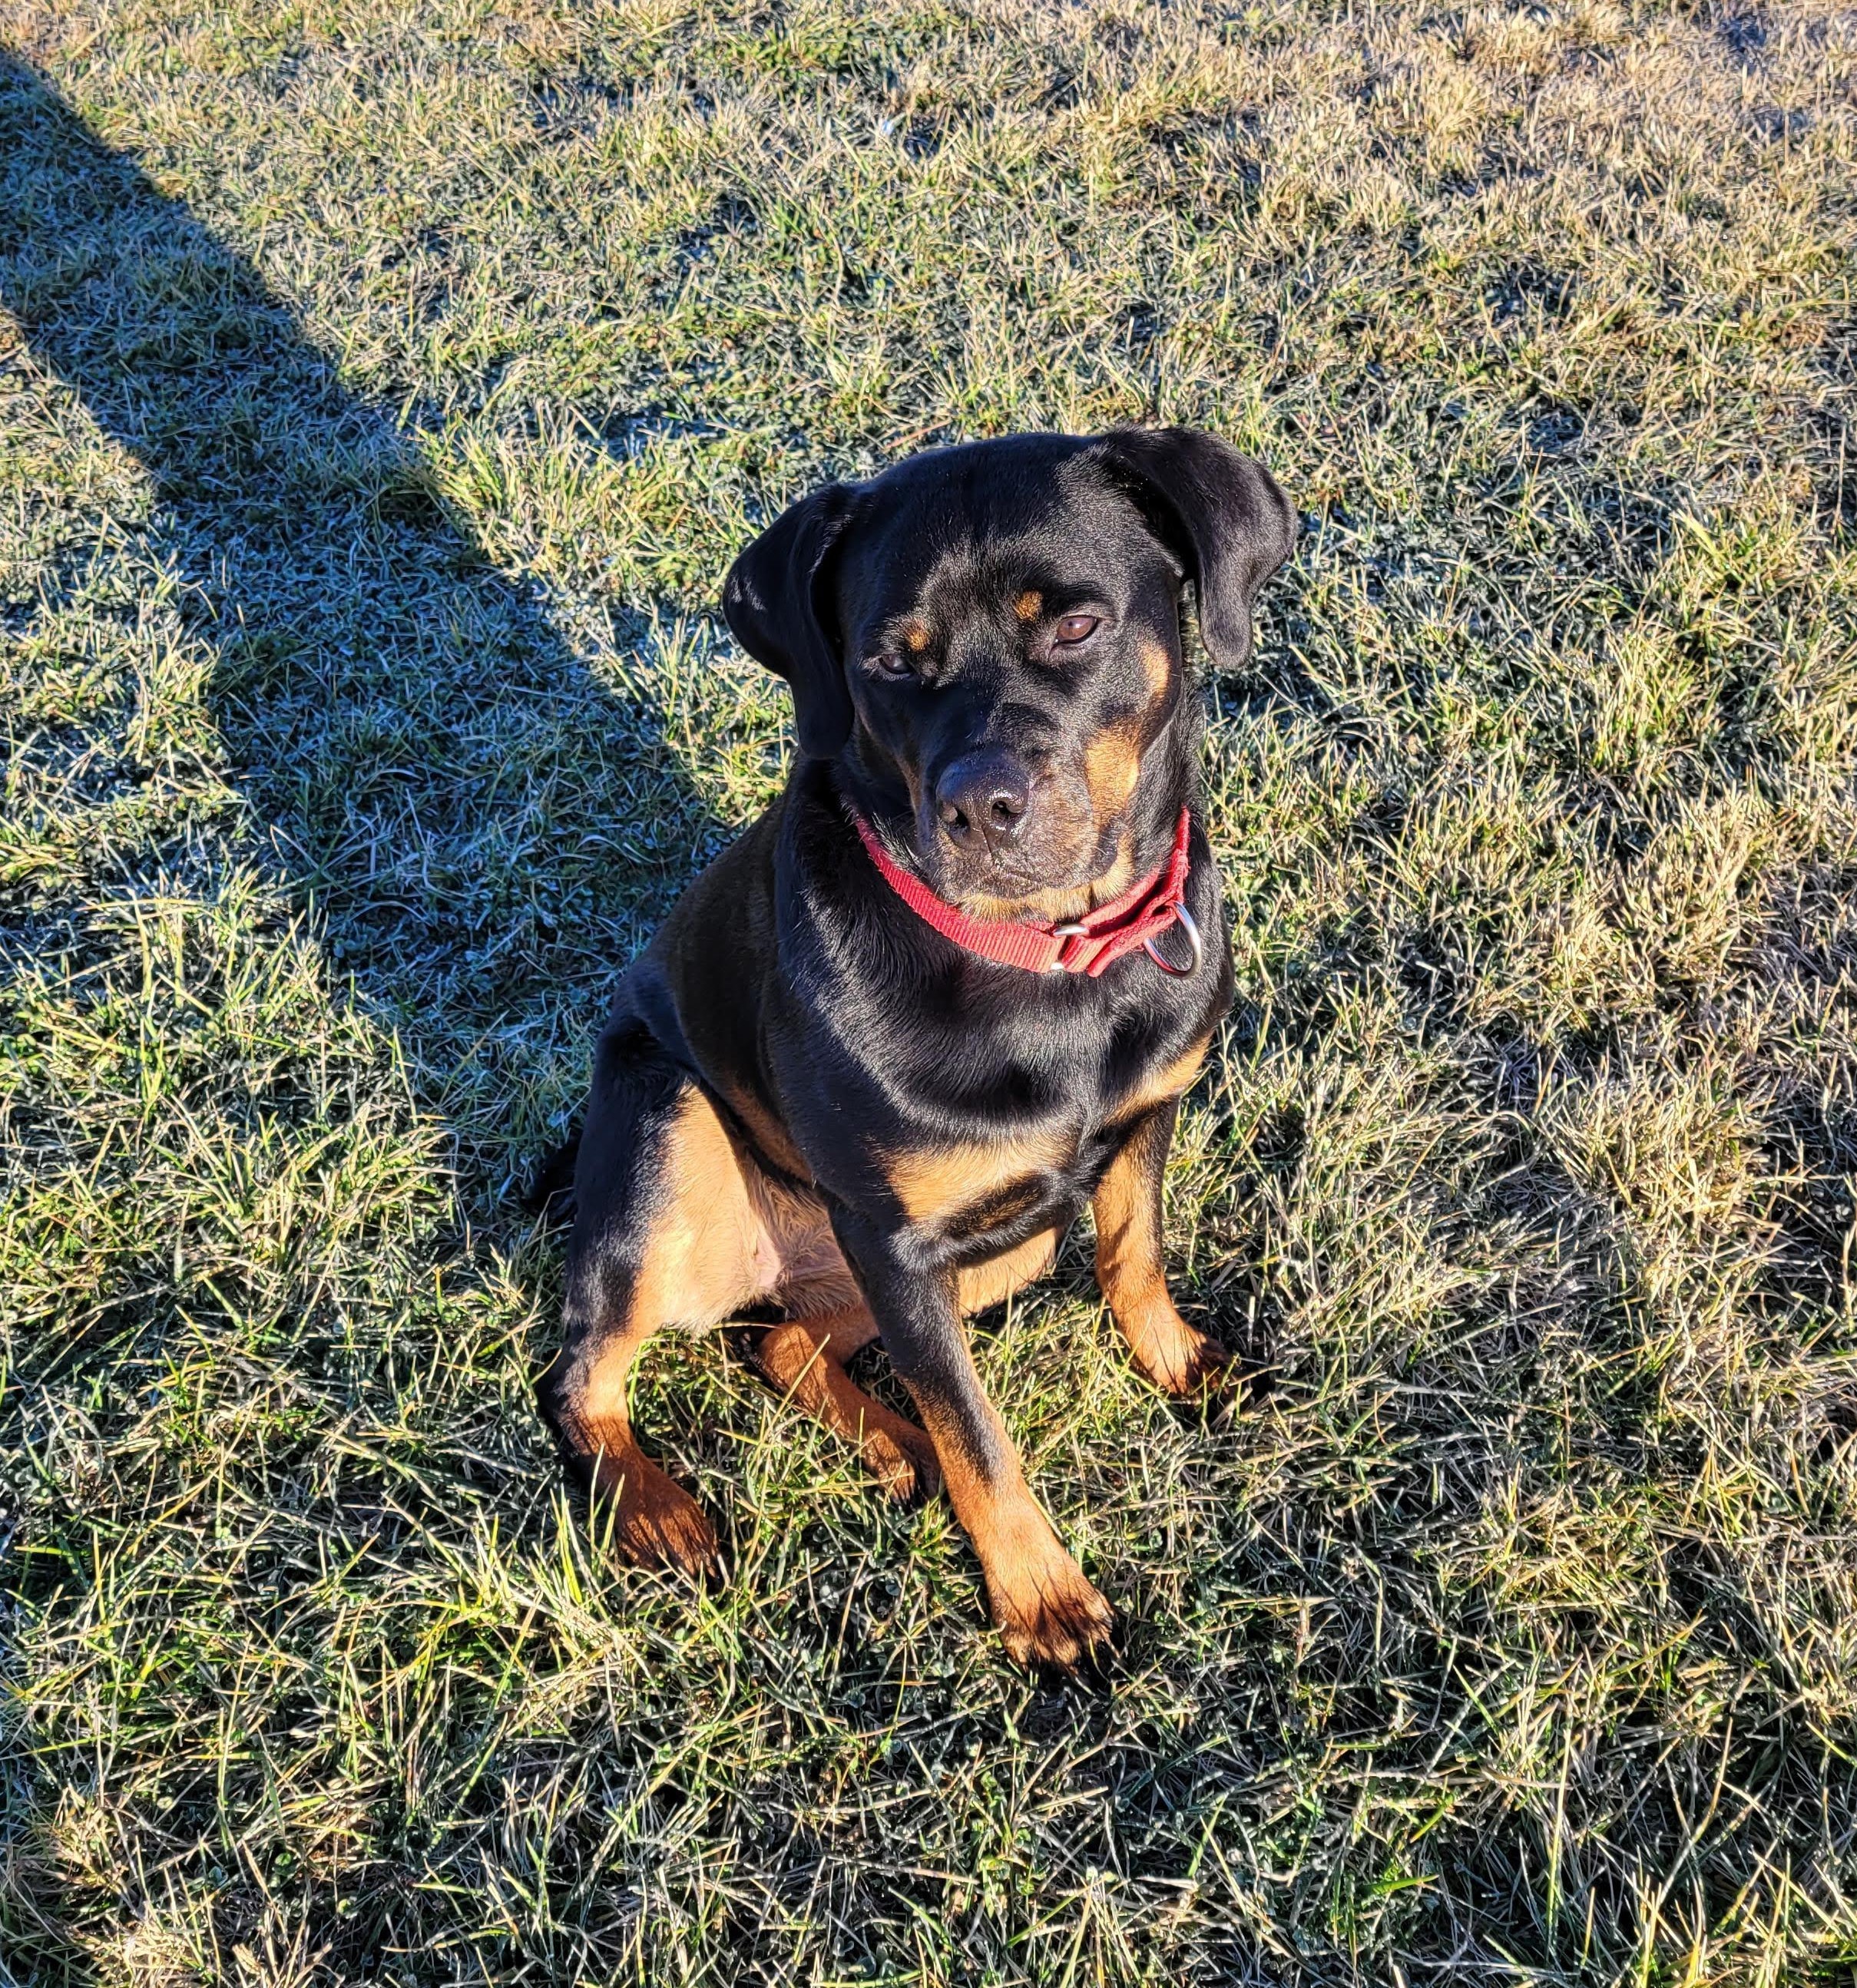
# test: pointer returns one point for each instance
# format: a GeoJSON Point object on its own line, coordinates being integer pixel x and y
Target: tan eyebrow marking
{"type": "Point", "coordinates": [916, 637]}
{"type": "Point", "coordinates": [1029, 605]}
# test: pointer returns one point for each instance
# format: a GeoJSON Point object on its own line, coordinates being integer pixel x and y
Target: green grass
{"type": "Point", "coordinates": [375, 428]}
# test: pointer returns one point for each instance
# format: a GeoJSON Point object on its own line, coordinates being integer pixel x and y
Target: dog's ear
{"type": "Point", "coordinates": [1218, 512]}
{"type": "Point", "coordinates": [775, 599]}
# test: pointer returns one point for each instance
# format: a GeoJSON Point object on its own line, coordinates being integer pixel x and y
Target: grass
{"type": "Point", "coordinates": [383, 392]}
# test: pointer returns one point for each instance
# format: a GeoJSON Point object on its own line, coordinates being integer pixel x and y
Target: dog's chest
{"type": "Point", "coordinates": [1045, 1164]}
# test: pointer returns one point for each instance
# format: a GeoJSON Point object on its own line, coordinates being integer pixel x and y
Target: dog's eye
{"type": "Point", "coordinates": [892, 664]}
{"type": "Point", "coordinates": [1076, 628]}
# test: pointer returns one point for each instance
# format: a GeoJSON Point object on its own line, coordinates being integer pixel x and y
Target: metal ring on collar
{"type": "Point", "coordinates": [1192, 939]}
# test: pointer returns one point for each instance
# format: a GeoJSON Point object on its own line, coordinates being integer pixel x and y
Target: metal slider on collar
{"type": "Point", "coordinates": [1065, 931]}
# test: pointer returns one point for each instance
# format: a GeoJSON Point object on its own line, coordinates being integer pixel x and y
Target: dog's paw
{"type": "Point", "coordinates": [1048, 1615]}
{"type": "Point", "coordinates": [1179, 1358]}
{"type": "Point", "coordinates": [656, 1523]}
{"type": "Point", "coordinates": [901, 1457]}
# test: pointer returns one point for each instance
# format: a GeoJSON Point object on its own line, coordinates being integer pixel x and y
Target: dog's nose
{"type": "Point", "coordinates": [986, 794]}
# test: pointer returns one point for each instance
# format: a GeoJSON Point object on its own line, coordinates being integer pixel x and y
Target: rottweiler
{"type": "Point", "coordinates": [948, 988]}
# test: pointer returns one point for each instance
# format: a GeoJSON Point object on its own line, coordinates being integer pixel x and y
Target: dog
{"type": "Point", "coordinates": [948, 988]}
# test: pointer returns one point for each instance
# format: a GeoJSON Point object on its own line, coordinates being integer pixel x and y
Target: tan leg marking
{"type": "Point", "coordinates": [805, 1359]}
{"type": "Point", "coordinates": [1176, 1356]}
{"type": "Point", "coordinates": [650, 1520]}
{"type": "Point", "coordinates": [710, 1252]}
{"type": "Point", "coordinates": [1046, 1611]}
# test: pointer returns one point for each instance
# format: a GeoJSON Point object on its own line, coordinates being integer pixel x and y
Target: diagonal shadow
{"type": "Point", "coordinates": [486, 831]}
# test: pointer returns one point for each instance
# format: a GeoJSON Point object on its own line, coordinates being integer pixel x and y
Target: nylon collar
{"type": "Point", "coordinates": [1127, 923]}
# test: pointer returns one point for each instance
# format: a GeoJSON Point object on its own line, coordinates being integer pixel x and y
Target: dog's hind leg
{"type": "Point", "coordinates": [805, 1358]}
{"type": "Point", "coordinates": [665, 1233]}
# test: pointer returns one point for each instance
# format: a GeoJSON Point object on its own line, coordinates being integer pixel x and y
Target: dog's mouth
{"type": "Point", "coordinates": [1062, 864]}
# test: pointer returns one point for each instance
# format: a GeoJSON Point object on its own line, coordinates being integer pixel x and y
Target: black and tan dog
{"type": "Point", "coordinates": [947, 989]}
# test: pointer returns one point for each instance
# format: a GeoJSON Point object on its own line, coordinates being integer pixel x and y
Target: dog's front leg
{"type": "Point", "coordinates": [1046, 1612]}
{"type": "Point", "coordinates": [1176, 1356]}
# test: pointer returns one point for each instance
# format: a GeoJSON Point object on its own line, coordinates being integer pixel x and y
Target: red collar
{"type": "Point", "coordinates": [1132, 922]}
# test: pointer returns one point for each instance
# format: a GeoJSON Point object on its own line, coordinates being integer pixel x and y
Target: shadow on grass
{"type": "Point", "coordinates": [486, 832]}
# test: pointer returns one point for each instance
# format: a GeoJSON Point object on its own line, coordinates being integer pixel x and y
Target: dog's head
{"type": "Point", "coordinates": [989, 638]}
